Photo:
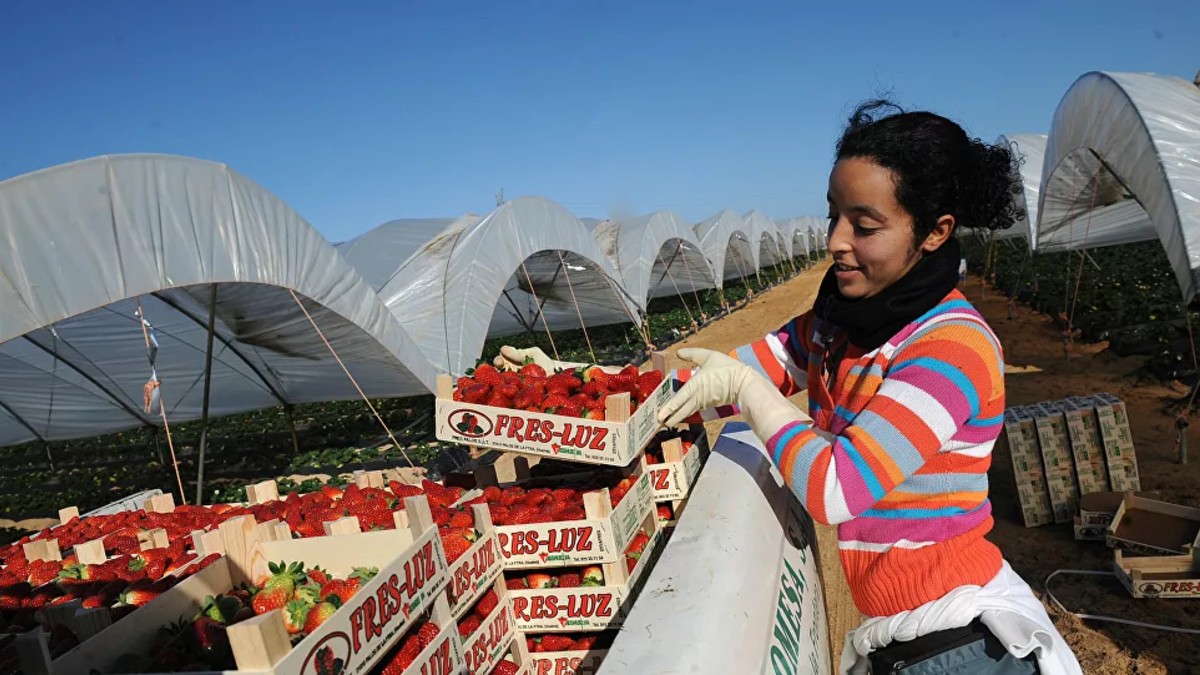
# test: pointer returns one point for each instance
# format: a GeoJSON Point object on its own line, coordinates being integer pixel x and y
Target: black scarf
{"type": "Point", "coordinates": [872, 321]}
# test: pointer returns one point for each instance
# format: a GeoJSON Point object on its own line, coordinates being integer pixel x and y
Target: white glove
{"type": "Point", "coordinates": [511, 358]}
{"type": "Point", "coordinates": [722, 380]}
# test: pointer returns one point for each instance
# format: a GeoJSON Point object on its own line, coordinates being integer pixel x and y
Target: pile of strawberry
{"type": "Point", "coordinates": [568, 642]}
{"type": "Point", "coordinates": [578, 392]}
{"type": "Point", "coordinates": [519, 506]}
{"type": "Point", "coordinates": [583, 577]}
{"type": "Point", "coordinates": [472, 620]}
{"type": "Point", "coordinates": [307, 596]}
{"type": "Point", "coordinates": [420, 636]}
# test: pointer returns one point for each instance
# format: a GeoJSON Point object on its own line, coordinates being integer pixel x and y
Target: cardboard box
{"type": "Point", "coordinates": [1119, 454]}
{"type": "Point", "coordinates": [614, 441]}
{"type": "Point", "coordinates": [1151, 527]}
{"type": "Point", "coordinates": [1056, 457]}
{"type": "Point", "coordinates": [1021, 434]}
{"type": "Point", "coordinates": [1086, 446]}
{"type": "Point", "coordinates": [1171, 576]}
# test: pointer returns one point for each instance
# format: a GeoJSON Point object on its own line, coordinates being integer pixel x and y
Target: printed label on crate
{"type": "Point", "coordinates": [363, 629]}
{"type": "Point", "coordinates": [578, 542]}
{"type": "Point", "coordinates": [567, 438]}
{"type": "Point", "coordinates": [491, 641]}
{"type": "Point", "coordinates": [474, 572]}
{"type": "Point", "coordinates": [1085, 446]}
{"type": "Point", "coordinates": [443, 657]}
{"type": "Point", "coordinates": [1089, 532]}
{"type": "Point", "coordinates": [1100, 518]}
{"type": "Point", "coordinates": [673, 480]}
{"type": "Point", "coordinates": [1118, 443]}
{"type": "Point", "coordinates": [567, 663]}
{"type": "Point", "coordinates": [570, 542]}
{"type": "Point", "coordinates": [1188, 588]}
{"type": "Point", "coordinates": [568, 609]}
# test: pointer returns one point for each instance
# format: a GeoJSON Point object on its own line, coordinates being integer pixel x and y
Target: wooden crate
{"type": "Point", "coordinates": [473, 574]}
{"type": "Point", "coordinates": [493, 641]}
{"type": "Point", "coordinates": [613, 441]}
{"type": "Point", "coordinates": [588, 608]}
{"type": "Point", "coordinates": [1171, 576]}
{"type": "Point", "coordinates": [1153, 527]}
{"type": "Point", "coordinates": [672, 480]}
{"type": "Point", "coordinates": [412, 577]}
{"type": "Point", "coordinates": [600, 538]}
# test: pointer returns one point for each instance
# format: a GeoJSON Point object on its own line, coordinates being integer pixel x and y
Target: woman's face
{"type": "Point", "coordinates": [870, 234]}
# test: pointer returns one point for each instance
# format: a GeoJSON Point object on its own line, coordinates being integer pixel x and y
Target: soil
{"type": "Point", "coordinates": [1038, 370]}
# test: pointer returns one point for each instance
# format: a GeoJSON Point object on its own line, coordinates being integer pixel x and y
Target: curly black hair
{"type": "Point", "coordinates": [939, 170]}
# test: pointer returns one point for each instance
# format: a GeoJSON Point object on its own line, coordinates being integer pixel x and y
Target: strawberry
{"type": "Point", "coordinates": [664, 512]}
{"type": "Point", "coordinates": [516, 584]}
{"type": "Point", "coordinates": [455, 543]}
{"type": "Point", "coordinates": [594, 412]}
{"type": "Point", "coordinates": [595, 390]}
{"type": "Point", "coordinates": [331, 492]}
{"type": "Point", "coordinates": [208, 634]}
{"type": "Point", "coordinates": [592, 576]}
{"type": "Point", "coordinates": [464, 519]}
{"type": "Point", "coordinates": [427, 633]}
{"type": "Point", "coordinates": [487, 604]}
{"type": "Point", "coordinates": [476, 393]}
{"type": "Point", "coordinates": [571, 409]}
{"type": "Point", "coordinates": [571, 513]}
{"type": "Point", "coordinates": [508, 389]}
{"type": "Point", "coordinates": [342, 589]}
{"type": "Point", "coordinates": [638, 544]}
{"type": "Point", "coordinates": [221, 608]}
{"type": "Point", "coordinates": [554, 401]}
{"type": "Point", "coordinates": [138, 594]}
{"type": "Point", "coordinates": [526, 398]}
{"type": "Point", "coordinates": [402, 490]}
{"type": "Point", "coordinates": [284, 576]}
{"type": "Point", "coordinates": [43, 572]}
{"type": "Point", "coordinates": [269, 600]}
{"type": "Point", "coordinates": [584, 643]}
{"type": "Point", "coordinates": [319, 614]}
{"type": "Point", "coordinates": [468, 625]}
{"type": "Point", "coordinates": [649, 380]}
{"type": "Point", "coordinates": [408, 652]}
{"type": "Point", "coordinates": [596, 374]}
{"type": "Point", "coordinates": [522, 514]}
{"type": "Point", "coordinates": [318, 576]}
{"type": "Point", "coordinates": [540, 581]}
{"type": "Point", "coordinates": [486, 373]}
{"type": "Point", "coordinates": [294, 615]}
{"type": "Point", "coordinates": [532, 370]}
{"type": "Point", "coordinates": [569, 580]}
{"type": "Point", "coordinates": [463, 383]}
{"type": "Point", "coordinates": [623, 382]}
{"type": "Point", "coordinates": [506, 668]}
{"type": "Point", "coordinates": [555, 643]}
{"type": "Point", "coordinates": [491, 494]}
{"type": "Point", "coordinates": [498, 400]}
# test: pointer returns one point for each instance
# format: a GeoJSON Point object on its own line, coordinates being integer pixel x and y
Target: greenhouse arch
{"type": "Point", "coordinates": [1121, 167]}
{"type": "Point", "coordinates": [727, 246]}
{"type": "Point", "coordinates": [657, 255]}
{"type": "Point", "coordinates": [181, 241]}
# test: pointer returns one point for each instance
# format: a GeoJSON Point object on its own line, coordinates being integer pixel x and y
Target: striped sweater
{"type": "Point", "coordinates": [899, 450]}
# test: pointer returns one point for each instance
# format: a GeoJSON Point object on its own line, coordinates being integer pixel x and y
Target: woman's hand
{"type": "Point", "coordinates": [722, 380]}
{"type": "Point", "coordinates": [718, 381]}
{"type": "Point", "coordinates": [511, 358]}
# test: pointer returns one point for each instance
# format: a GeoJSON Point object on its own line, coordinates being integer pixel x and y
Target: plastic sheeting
{"type": "Point", "coordinates": [657, 255]}
{"type": "Point", "coordinates": [796, 233]}
{"type": "Point", "coordinates": [520, 268]}
{"type": "Point", "coordinates": [1120, 139]}
{"type": "Point", "coordinates": [379, 252]}
{"type": "Point", "coordinates": [726, 245]}
{"type": "Point", "coordinates": [1030, 149]}
{"type": "Point", "coordinates": [84, 241]}
{"type": "Point", "coordinates": [763, 233]}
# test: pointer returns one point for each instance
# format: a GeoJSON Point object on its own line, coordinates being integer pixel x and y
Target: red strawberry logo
{"type": "Point", "coordinates": [562, 621]}
{"type": "Point", "coordinates": [543, 555]}
{"type": "Point", "coordinates": [554, 447]}
{"type": "Point", "coordinates": [407, 611]}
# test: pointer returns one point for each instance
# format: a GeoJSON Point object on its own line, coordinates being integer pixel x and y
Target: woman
{"type": "Point", "coordinates": [906, 398]}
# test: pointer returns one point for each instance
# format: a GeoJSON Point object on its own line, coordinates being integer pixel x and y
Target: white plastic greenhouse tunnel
{"type": "Point", "coordinates": [529, 266]}
{"type": "Point", "coordinates": [145, 287]}
{"type": "Point", "coordinates": [765, 235]}
{"type": "Point", "coordinates": [726, 245]}
{"type": "Point", "coordinates": [1121, 167]}
{"type": "Point", "coordinates": [657, 255]}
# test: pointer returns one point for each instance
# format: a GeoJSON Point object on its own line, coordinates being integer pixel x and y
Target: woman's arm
{"type": "Point", "coordinates": [942, 379]}
{"type": "Point", "coordinates": [780, 356]}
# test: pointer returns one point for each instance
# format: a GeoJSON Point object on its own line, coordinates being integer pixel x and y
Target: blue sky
{"type": "Point", "coordinates": [357, 113]}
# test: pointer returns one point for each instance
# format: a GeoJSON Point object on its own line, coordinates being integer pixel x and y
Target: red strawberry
{"type": "Point", "coordinates": [638, 544]}
{"type": "Point", "coordinates": [463, 383]}
{"type": "Point", "coordinates": [508, 389]}
{"type": "Point", "coordinates": [487, 604]}
{"type": "Point", "coordinates": [556, 643]}
{"type": "Point", "coordinates": [455, 543]}
{"type": "Point", "coordinates": [318, 615]}
{"type": "Point", "coordinates": [462, 519]}
{"type": "Point", "coordinates": [468, 625]}
{"type": "Point", "coordinates": [139, 594]}
{"type": "Point", "coordinates": [427, 633]}
{"type": "Point", "coordinates": [498, 400]}
{"type": "Point", "coordinates": [526, 398]}
{"type": "Point", "coordinates": [506, 668]}
{"type": "Point", "coordinates": [491, 494]}
{"type": "Point", "coordinates": [532, 370]}
{"type": "Point", "coordinates": [649, 380]}
{"type": "Point", "coordinates": [487, 374]}
{"type": "Point", "coordinates": [208, 634]}
{"type": "Point", "coordinates": [269, 600]}
{"type": "Point", "coordinates": [318, 576]}
{"type": "Point", "coordinates": [516, 584]}
{"type": "Point", "coordinates": [540, 581]}
{"type": "Point", "coordinates": [596, 374]}
{"type": "Point", "coordinates": [409, 651]}
{"type": "Point", "coordinates": [43, 572]}
{"type": "Point", "coordinates": [342, 589]}
{"type": "Point", "coordinates": [476, 393]}
{"type": "Point", "coordinates": [522, 514]}
{"type": "Point", "coordinates": [569, 580]}
{"type": "Point", "coordinates": [584, 643]}
{"type": "Point", "coordinates": [594, 390]}
{"type": "Point", "coordinates": [664, 512]}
